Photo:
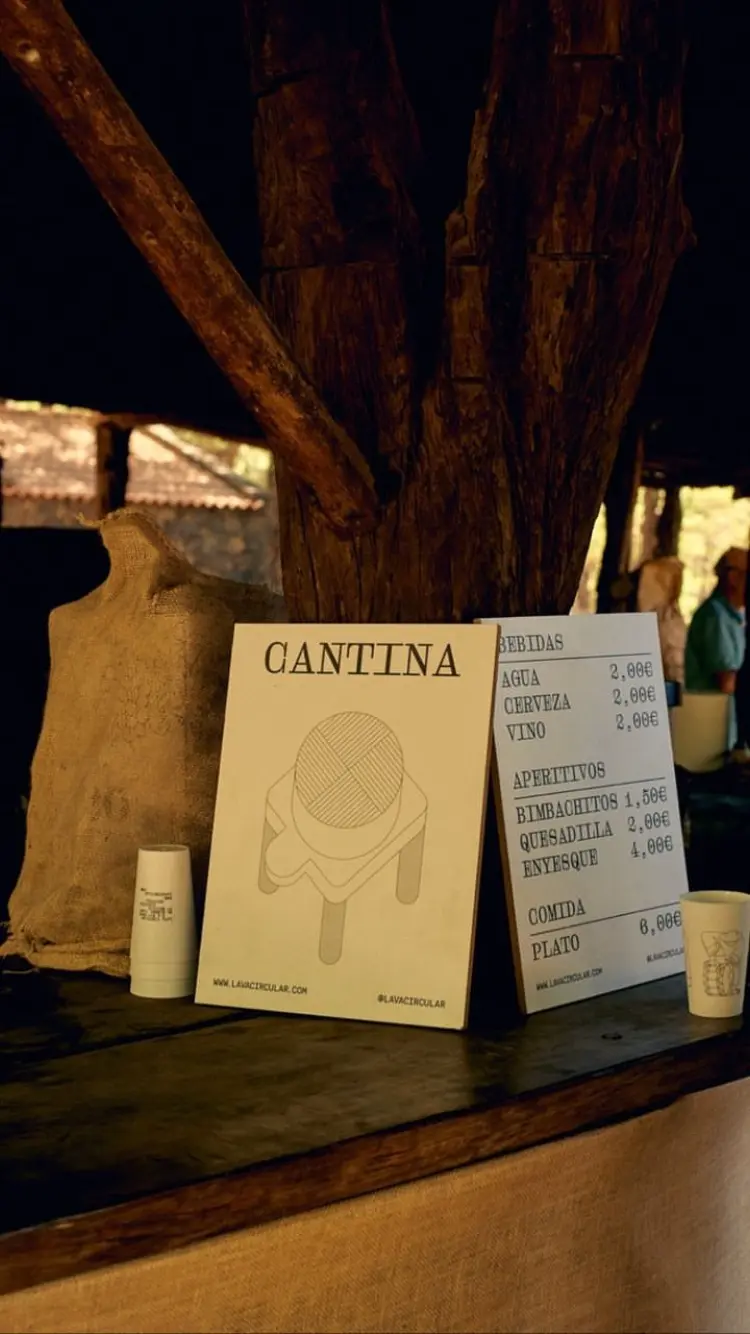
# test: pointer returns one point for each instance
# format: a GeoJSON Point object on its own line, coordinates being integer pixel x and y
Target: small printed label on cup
{"type": "Point", "coordinates": [156, 906]}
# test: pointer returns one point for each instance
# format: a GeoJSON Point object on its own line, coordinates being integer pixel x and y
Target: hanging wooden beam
{"type": "Point", "coordinates": [649, 523]}
{"type": "Point", "coordinates": [52, 59]}
{"type": "Point", "coordinates": [619, 502]}
{"type": "Point", "coordinates": [742, 688]}
{"type": "Point", "coordinates": [669, 524]}
{"type": "Point", "coordinates": [112, 449]}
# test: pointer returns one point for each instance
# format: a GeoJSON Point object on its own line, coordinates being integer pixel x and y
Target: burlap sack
{"type": "Point", "coordinates": [129, 748]}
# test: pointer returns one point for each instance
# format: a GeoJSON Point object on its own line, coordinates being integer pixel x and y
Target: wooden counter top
{"type": "Point", "coordinates": [132, 1127]}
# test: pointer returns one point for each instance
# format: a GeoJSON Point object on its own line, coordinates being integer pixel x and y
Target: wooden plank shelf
{"type": "Point", "coordinates": [129, 1128]}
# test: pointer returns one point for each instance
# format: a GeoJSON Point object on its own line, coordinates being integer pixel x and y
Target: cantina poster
{"type": "Point", "coordinates": [349, 822]}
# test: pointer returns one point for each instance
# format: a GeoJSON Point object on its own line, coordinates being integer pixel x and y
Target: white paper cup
{"type": "Point", "coordinates": [163, 946]}
{"type": "Point", "coordinates": [716, 931]}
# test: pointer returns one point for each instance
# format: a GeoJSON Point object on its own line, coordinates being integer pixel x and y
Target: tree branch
{"type": "Point", "coordinates": [48, 53]}
{"type": "Point", "coordinates": [336, 156]}
{"type": "Point", "coordinates": [563, 250]}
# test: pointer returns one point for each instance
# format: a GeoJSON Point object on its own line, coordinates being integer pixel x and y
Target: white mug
{"type": "Point", "coordinates": [163, 947]}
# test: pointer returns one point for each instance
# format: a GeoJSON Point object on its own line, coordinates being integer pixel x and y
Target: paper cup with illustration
{"type": "Point", "coordinates": [163, 945]}
{"type": "Point", "coordinates": [716, 931]}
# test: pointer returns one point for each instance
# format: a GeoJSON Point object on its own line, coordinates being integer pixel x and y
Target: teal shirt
{"type": "Point", "coordinates": [715, 643]}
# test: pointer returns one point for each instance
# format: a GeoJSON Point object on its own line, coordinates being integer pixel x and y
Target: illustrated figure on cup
{"type": "Point", "coordinates": [722, 968]}
{"type": "Point", "coordinates": [716, 930]}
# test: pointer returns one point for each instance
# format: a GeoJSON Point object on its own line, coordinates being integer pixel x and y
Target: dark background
{"type": "Point", "coordinates": [83, 322]}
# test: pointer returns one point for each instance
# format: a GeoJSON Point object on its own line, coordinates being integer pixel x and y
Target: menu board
{"type": "Point", "coordinates": [588, 813]}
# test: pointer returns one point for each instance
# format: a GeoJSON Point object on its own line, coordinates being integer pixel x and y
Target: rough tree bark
{"type": "Point", "coordinates": [482, 382]}
{"type": "Point", "coordinates": [503, 431]}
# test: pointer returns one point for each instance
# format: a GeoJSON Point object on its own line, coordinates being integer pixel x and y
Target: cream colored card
{"type": "Point", "coordinates": [349, 821]}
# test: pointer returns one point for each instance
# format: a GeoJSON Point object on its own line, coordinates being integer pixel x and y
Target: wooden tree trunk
{"type": "Point", "coordinates": [492, 434]}
{"type": "Point", "coordinates": [464, 382]}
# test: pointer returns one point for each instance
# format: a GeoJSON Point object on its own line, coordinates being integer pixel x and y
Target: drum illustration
{"type": "Point", "coordinates": [721, 970]}
{"type": "Point", "coordinates": [721, 977]}
{"type": "Point", "coordinates": [346, 809]}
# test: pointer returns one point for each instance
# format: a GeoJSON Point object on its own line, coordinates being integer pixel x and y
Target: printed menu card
{"type": "Point", "coordinates": [590, 825]}
{"type": "Point", "coordinates": [349, 821]}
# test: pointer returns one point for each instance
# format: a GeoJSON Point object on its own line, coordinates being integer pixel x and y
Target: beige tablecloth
{"type": "Point", "coordinates": [641, 1227]}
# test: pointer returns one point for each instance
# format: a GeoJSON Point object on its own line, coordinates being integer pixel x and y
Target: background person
{"type": "Point", "coordinates": [716, 639]}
